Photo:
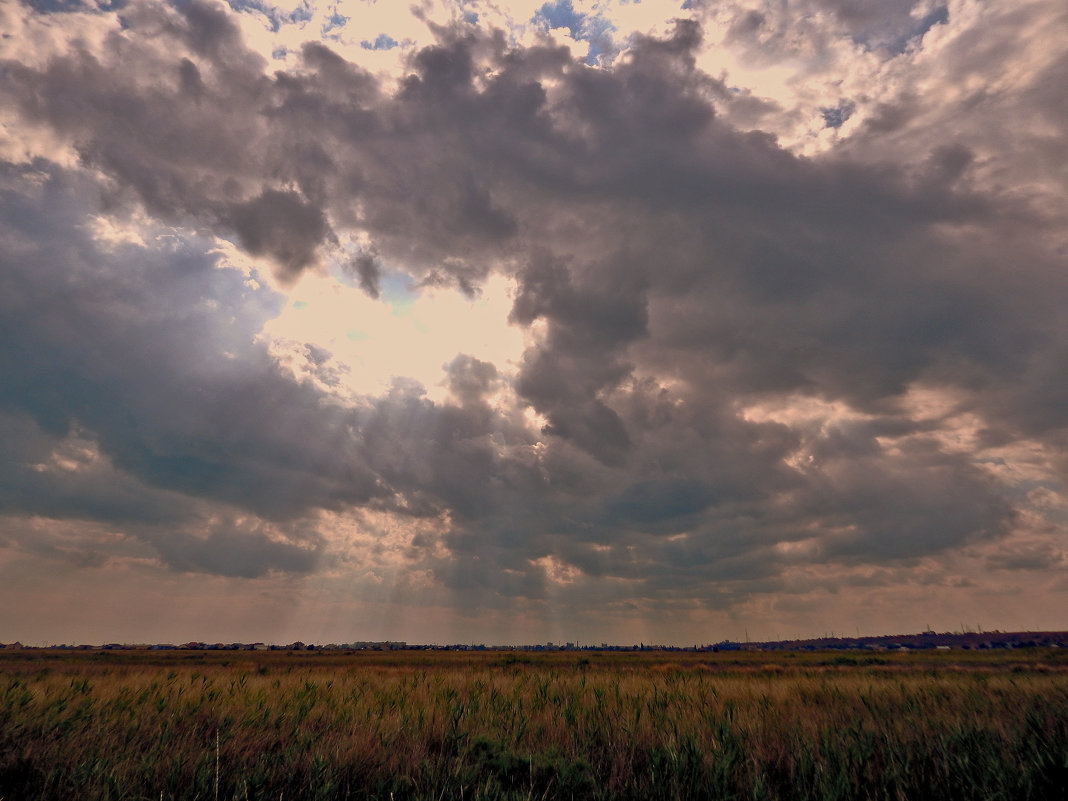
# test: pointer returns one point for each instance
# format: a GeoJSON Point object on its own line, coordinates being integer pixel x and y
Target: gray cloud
{"type": "Point", "coordinates": [233, 551]}
{"type": "Point", "coordinates": [126, 345]}
{"type": "Point", "coordinates": [281, 225]}
{"type": "Point", "coordinates": [681, 273]}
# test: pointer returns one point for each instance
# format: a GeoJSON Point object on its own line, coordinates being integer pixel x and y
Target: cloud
{"type": "Point", "coordinates": [129, 346]}
{"type": "Point", "coordinates": [235, 552]}
{"type": "Point", "coordinates": [283, 226]}
{"type": "Point", "coordinates": [770, 341]}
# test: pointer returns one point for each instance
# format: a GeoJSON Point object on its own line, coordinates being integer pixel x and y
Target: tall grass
{"type": "Point", "coordinates": [562, 726]}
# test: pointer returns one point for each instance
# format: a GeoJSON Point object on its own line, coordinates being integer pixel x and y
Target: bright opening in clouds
{"type": "Point", "coordinates": [586, 320]}
{"type": "Point", "coordinates": [353, 345]}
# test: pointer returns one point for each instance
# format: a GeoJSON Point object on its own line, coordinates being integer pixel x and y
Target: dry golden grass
{"type": "Point", "coordinates": [146, 725]}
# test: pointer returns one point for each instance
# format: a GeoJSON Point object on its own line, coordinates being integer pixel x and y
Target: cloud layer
{"type": "Point", "coordinates": [791, 346]}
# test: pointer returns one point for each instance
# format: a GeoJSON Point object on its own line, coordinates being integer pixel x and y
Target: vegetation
{"type": "Point", "coordinates": [421, 725]}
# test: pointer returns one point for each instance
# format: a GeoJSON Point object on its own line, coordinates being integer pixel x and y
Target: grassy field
{"type": "Point", "coordinates": [433, 725]}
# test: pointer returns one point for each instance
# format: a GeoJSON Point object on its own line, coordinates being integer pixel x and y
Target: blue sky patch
{"type": "Point", "coordinates": [898, 42]}
{"type": "Point", "coordinates": [275, 17]}
{"type": "Point", "coordinates": [835, 117]}
{"type": "Point", "coordinates": [382, 42]}
{"type": "Point", "coordinates": [561, 14]}
{"type": "Point", "coordinates": [335, 20]}
{"type": "Point", "coordinates": [594, 29]}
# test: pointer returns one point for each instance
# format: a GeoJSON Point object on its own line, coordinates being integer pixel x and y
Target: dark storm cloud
{"type": "Point", "coordinates": [281, 225]}
{"type": "Point", "coordinates": [233, 551]}
{"type": "Point", "coordinates": [78, 487]}
{"type": "Point", "coordinates": [678, 270]}
{"type": "Point", "coordinates": [464, 459]}
{"type": "Point", "coordinates": [184, 133]}
{"type": "Point", "coordinates": [127, 345]}
{"type": "Point", "coordinates": [368, 272]}
{"type": "Point", "coordinates": [129, 399]}
{"type": "Point", "coordinates": [581, 357]}
{"type": "Point", "coordinates": [69, 6]}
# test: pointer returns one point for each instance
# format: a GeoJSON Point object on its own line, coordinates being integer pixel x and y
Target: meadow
{"type": "Point", "coordinates": [517, 725]}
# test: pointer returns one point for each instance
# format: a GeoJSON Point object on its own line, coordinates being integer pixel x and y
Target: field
{"type": "Point", "coordinates": [452, 725]}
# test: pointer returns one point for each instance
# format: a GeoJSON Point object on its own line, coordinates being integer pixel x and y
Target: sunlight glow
{"type": "Point", "coordinates": [371, 342]}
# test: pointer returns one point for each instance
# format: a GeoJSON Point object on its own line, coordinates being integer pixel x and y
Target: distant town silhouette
{"type": "Point", "coordinates": [926, 640]}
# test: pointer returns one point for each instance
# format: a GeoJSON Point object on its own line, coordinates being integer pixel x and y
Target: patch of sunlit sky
{"type": "Point", "coordinates": [407, 332]}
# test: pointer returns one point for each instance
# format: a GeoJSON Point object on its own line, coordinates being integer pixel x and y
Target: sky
{"type": "Point", "coordinates": [515, 322]}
